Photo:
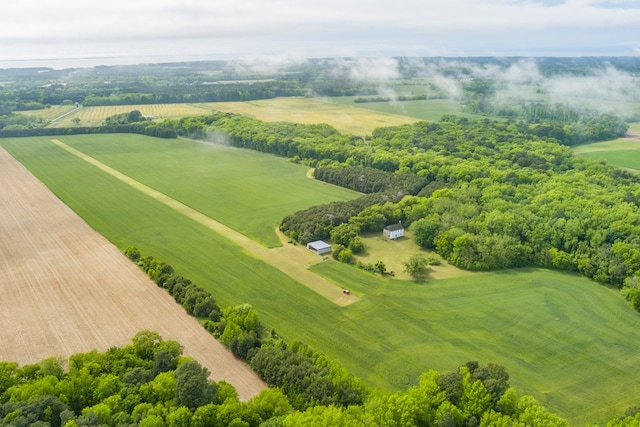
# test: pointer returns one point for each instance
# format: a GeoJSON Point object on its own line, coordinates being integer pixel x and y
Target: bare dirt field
{"type": "Point", "coordinates": [65, 289]}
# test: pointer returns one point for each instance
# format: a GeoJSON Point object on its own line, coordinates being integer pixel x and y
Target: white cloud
{"type": "Point", "coordinates": [30, 27]}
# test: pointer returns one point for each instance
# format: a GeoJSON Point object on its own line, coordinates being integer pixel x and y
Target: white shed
{"type": "Point", "coordinates": [319, 247]}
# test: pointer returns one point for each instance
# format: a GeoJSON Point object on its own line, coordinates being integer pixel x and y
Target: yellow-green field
{"type": "Point", "coordinates": [345, 118]}
{"type": "Point", "coordinates": [49, 114]}
{"type": "Point", "coordinates": [93, 116]}
{"type": "Point", "coordinates": [621, 152]}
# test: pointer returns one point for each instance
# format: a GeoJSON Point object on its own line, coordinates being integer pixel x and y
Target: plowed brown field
{"type": "Point", "coordinates": [65, 289]}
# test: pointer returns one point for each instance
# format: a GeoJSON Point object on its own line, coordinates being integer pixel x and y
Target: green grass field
{"type": "Point", "coordinates": [395, 252]}
{"type": "Point", "coordinates": [573, 344]}
{"type": "Point", "coordinates": [431, 109]}
{"type": "Point", "coordinates": [622, 152]}
{"type": "Point", "coordinates": [245, 190]}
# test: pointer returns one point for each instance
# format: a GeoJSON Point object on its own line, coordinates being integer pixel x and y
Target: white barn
{"type": "Point", "coordinates": [393, 231]}
{"type": "Point", "coordinates": [319, 247]}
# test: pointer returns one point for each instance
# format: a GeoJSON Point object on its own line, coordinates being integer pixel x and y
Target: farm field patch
{"type": "Point", "coordinates": [66, 289]}
{"type": "Point", "coordinates": [622, 152]}
{"type": "Point", "coordinates": [564, 339]}
{"type": "Point", "coordinates": [429, 109]}
{"type": "Point", "coordinates": [561, 337]}
{"type": "Point", "coordinates": [93, 116]}
{"type": "Point", "coordinates": [286, 259]}
{"type": "Point", "coordinates": [50, 113]}
{"type": "Point", "coordinates": [346, 118]}
{"type": "Point", "coordinates": [245, 190]}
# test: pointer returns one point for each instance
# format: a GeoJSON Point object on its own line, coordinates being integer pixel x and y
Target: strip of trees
{"type": "Point", "coordinates": [149, 129]}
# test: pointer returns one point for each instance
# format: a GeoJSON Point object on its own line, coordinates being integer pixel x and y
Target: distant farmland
{"type": "Point", "coordinates": [566, 340]}
{"type": "Point", "coordinates": [348, 118]}
{"type": "Point", "coordinates": [93, 116]}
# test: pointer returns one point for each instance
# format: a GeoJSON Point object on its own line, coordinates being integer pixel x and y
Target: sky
{"type": "Point", "coordinates": [144, 31]}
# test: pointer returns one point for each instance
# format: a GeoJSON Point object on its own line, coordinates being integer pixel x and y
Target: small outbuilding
{"type": "Point", "coordinates": [319, 247]}
{"type": "Point", "coordinates": [393, 231]}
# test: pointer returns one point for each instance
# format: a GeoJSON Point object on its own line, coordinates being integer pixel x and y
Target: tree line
{"type": "Point", "coordinates": [146, 383]}
{"type": "Point", "coordinates": [570, 126]}
{"type": "Point", "coordinates": [149, 129]}
{"type": "Point", "coordinates": [369, 180]}
{"type": "Point", "coordinates": [150, 383]}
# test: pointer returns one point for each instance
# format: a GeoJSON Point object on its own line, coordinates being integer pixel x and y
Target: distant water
{"type": "Point", "coordinates": [88, 62]}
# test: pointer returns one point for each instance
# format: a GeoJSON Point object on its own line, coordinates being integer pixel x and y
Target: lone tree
{"type": "Point", "coordinates": [417, 266]}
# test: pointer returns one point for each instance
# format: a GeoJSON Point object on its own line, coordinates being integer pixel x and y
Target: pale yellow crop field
{"type": "Point", "coordinates": [345, 118]}
{"type": "Point", "coordinates": [93, 116]}
{"type": "Point", "coordinates": [49, 114]}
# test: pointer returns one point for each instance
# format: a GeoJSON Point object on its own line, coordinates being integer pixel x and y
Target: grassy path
{"type": "Point", "coordinates": [290, 259]}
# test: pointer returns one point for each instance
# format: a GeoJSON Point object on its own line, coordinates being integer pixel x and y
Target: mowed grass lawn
{"type": "Point", "coordinates": [573, 344]}
{"type": "Point", "coordinates": [245, 190]}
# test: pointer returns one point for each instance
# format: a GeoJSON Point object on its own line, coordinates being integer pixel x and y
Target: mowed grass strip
{"type": "Point", "coordinates": [568, 341]}
{"type": "Point", "coordinates": [282, 260]}
{"type": "Point", "coordinates": [248, 191]}
{"type": "Point", "coordinates": [49, 113]}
